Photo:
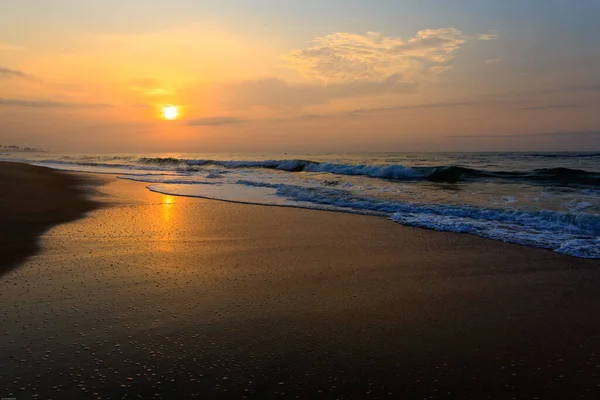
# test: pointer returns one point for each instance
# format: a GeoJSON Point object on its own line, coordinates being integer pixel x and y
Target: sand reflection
{"type": "Point", "coordinates": [166, 239]}
{"type": "Point", "coordinates": [167, 208]}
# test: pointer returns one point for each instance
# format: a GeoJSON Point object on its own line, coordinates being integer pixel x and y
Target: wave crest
{"type": "Point", "coordinates": [445, 174]}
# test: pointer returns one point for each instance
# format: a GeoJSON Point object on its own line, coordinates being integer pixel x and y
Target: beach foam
{"type": "Point", "coordinates": [571, 234]}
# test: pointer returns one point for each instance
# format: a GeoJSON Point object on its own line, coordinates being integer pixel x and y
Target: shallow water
{"type": "Point", "coordinates": [547, 200]}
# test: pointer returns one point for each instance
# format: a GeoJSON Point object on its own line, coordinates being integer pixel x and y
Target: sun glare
{"type": "Point", "coordinates": [170, 112]}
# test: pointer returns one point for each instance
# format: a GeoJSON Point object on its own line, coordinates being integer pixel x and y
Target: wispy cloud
{"type": "Point", "coordinates": [275, 93]}
{"type": "Point", "coordinates": [592, 133]}
{"type": "Point", "coordinates": [582, 88]}
{"type": "Point", "coordinates": [312, 116]}
{"type": "Point", "coordinates": [420, 106]}
{"type": "Point", "coordinates": [49, 104]}
{"type": "Point", "coordinates": [493, 61]}
{"type": "Point", "coordinates": [487, 36]}
{"type": "Point", "coordinates": [12, 73]}
{"type": "Point", "coordinates": [214, 121]}
{"type": "Point", "coordinates": [149, 87]}
{"type": "Point", "coordinates": [547, 107]}
{"type": "Point", "coordinates": [346, 57]}
{"type": "Point", "coordinates": [364, 111]}
{"type": "Point", "coordinates": [591, 87]}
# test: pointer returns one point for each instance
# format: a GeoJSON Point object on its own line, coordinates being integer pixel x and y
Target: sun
{"type": "Point", "coordinates": [170, 112]}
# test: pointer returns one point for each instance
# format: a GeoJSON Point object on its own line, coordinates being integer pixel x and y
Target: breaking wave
{"type": "Point", "coordinates": [447, 174]}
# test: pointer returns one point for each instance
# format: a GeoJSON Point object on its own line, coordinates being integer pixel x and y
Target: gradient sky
{"type": "Point", "coordinates": [302, 76]}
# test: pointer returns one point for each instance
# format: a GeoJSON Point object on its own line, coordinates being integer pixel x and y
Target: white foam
{"type": "Point", "coordinates": [572, 234]}
{"type": "Point", "coordinates": [102, 169]}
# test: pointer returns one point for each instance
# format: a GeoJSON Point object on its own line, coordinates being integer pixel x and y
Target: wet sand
{"type": "Point", "coordinates": [32, 199]}
{"type": "Point", "coordinates": [155, 296]}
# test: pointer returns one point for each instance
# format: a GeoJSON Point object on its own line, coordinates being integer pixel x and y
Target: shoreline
{"type": "Point", "coordinates": [565, 224]}
{"type": "Point", "coordinates": [80, 191]}
{"type": "Point", "coordinates": [159, 296]}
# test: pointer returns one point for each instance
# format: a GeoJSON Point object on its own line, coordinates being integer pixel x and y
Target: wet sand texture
{"type": "Point", "coordinates": [162, 297]}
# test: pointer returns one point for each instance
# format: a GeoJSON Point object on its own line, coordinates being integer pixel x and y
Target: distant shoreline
{"type": "Point", "coordinates": [18, 149]}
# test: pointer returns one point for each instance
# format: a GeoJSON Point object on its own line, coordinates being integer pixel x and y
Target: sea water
{"type": "Point", "coordinates": [546, 200]}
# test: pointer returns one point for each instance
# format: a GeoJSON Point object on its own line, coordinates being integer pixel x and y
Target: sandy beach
{"type": "Point", "coordinates": [152, 296]}
{"type": "Point", "coordinates": [32, 199]}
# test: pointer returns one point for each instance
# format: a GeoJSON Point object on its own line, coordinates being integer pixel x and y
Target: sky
{"type": "Point", "coordinates": [300, 76]}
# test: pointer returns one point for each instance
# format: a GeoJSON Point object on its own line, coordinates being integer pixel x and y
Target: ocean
{"type": "Point", "coordinates": [545, 200]}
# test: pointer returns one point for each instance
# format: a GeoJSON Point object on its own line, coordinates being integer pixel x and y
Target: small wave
{"type": "Point", "coordinates": [574, 234]}
{"type": "Point", "coordinates": [160, 161]}
{"type": "Point", "coordinates": [97, 164]}
{"type": "Point", "coordinates": [169, 179]}
{"type": "Point", "coordinates": [563, 155]}
{"type": "Point", "coordinates": [564, 176]}
{"type": "Point", "coordinates": [571, 234]}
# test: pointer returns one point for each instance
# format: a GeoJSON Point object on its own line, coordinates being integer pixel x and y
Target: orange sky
{"type": "Point", "coordinates": [81, 83]}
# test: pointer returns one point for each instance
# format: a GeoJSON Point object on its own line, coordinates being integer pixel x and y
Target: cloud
{"type": "Point", "coordinates": [487, 36]}
{"type": "Point", "coordinates": [343, 57]}
{"type": "Point", "coordinates": [493, 61]}
{"type": "Point", "coordinates": [452, 104]}
{"type": "Point", "coordinates": [312, 116]}
{"type": "Point", "coordinates": [583, 88]}
{"type": "Point", "coordinates": [548, 107]}
{"type": "Point", "coordinates": [12, 73]}
{"type": "Point", "coordinates": [345, 65]}
{"type": "Point", "coordinates": [214, 121]}
{"type": "Point", "coordinates": [48, 104]}
{"type": "Point", "coordinates": [591, 87]}
{"type": "Point", "coordinates": [567, 134]}
{"type": "Point", "coordinates": [362, 111]}
{"type": "Point", "coordinates": [273, 92]}
{"type": "Point", "coordinates": [149, 87]}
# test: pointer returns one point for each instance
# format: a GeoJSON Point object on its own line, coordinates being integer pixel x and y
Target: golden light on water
{"type": "Point", "coordinates": [170, 112]}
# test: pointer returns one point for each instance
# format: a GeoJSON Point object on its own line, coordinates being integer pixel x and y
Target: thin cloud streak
{"type": "Point", "coordinates": [361, 111]}
{"type": "Point", "coordinates": [215, 121]}
{"type": "Point", "coordinates": [13, 73]}
{"type": "Point", "coordinates": [548, 107]}
{"type": "Point", "coordinates": [278, 94]}
{"type": "Point", "coordinates": [592, 87]}
{"type": "Point", "coordinates": [441, 105]}
{"type": "Point", "coordinates": [418, 106]}
{"type": "Point", "coordinates": [49, 104]}
{"type": "Point", "coordinates": [529, 135]}
{"type": "Point", "coordinates": [493, 61]}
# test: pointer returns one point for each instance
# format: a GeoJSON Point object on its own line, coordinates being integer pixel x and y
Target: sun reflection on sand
{"type": "Point", "coordinates": [165, 241]}
{"type": "Point", "coordinates": [167, 207]}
